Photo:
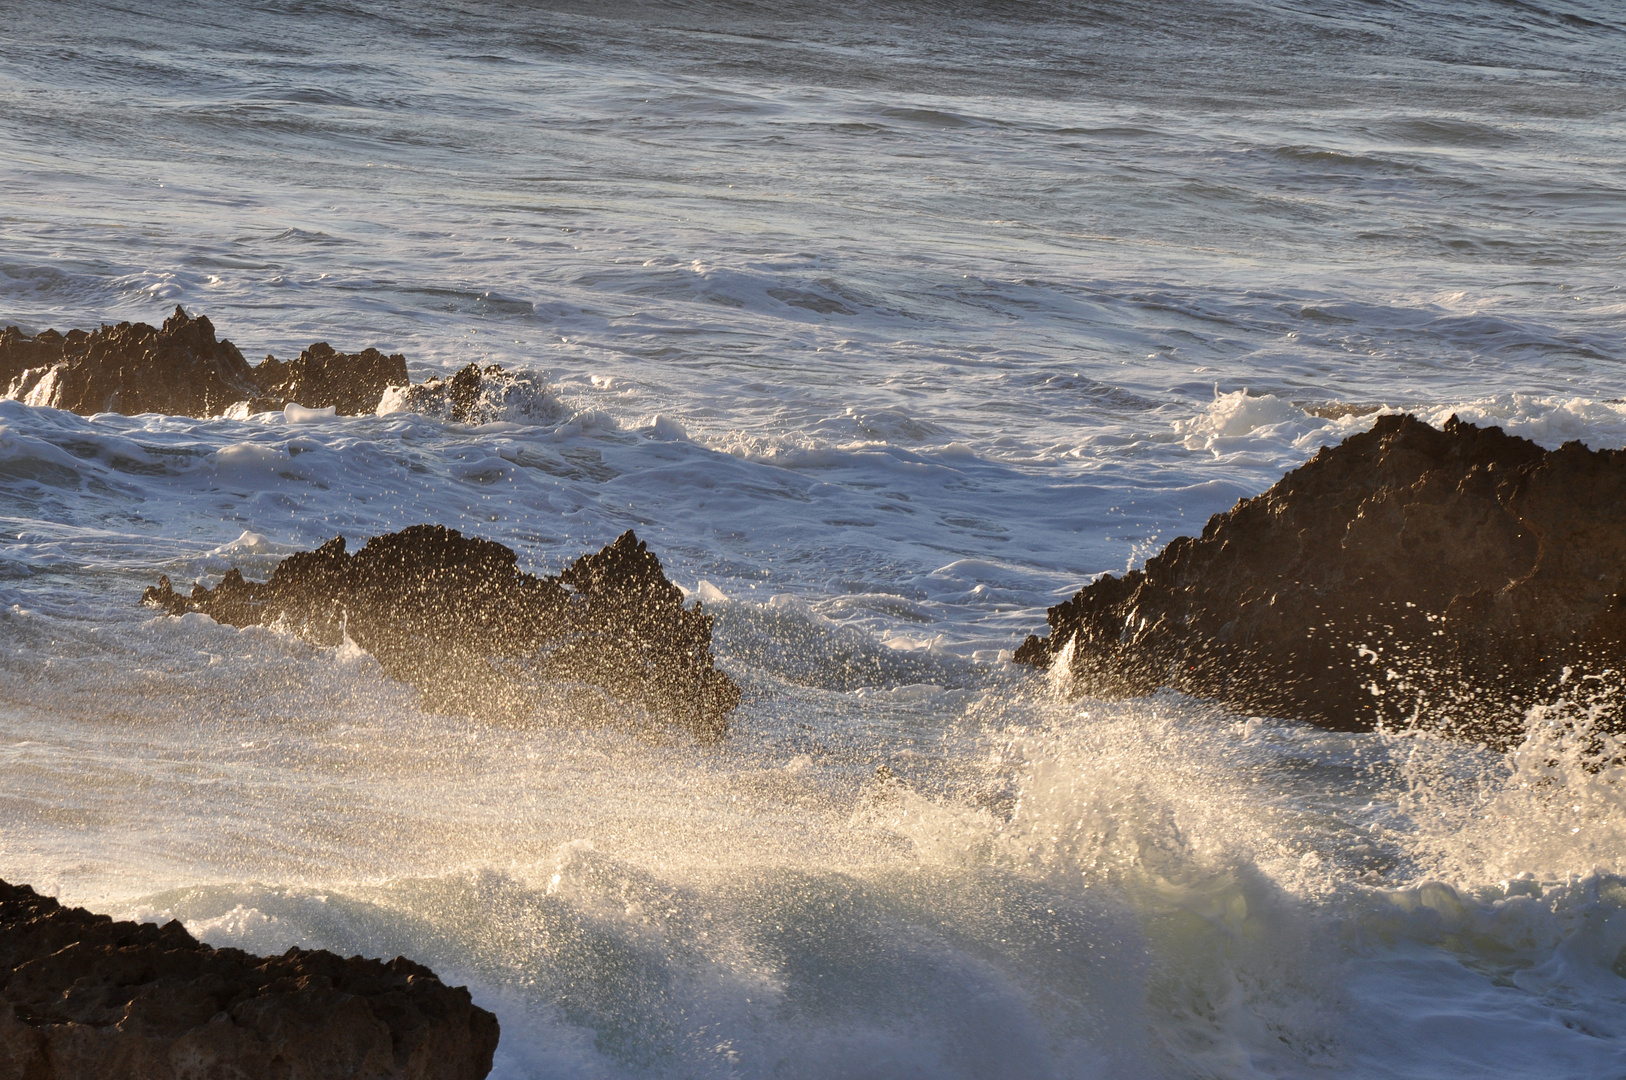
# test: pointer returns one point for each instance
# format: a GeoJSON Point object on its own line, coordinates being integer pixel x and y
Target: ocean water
{"type": "Point", "coordinates": [886, 325]}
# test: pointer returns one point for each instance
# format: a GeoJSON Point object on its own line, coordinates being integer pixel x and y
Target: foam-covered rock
{"type": "Point", "coordinates": [476, 395]}
{"type": "Point", "coordinates": [455, 617]}
{"type": "Point", "coordinates": [83, 996]}
{"type": "Point", "coordinates": [1409, 574]}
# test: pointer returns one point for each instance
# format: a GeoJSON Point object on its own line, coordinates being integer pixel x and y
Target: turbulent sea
{"type": "Point", "coordinates": [886, 325]}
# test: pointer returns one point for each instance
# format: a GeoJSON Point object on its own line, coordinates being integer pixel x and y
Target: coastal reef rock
{"type": "Point", "coordinates": [319, 377]}
{"type": "Point", "coordinates": [455, 617]}
{"type": "Point", "coordinates": [1452, 578]}
{"type": "Point", "coordinates": [83, 996]}
{"type": "Point", "coordinates": [180, 369]}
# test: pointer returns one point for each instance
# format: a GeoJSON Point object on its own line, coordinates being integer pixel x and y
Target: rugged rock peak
{"type": "Point", "coordinates": [626, 570]}
{"type": "Point", "coordinates": [84, 996]}
{"type": "Point", "coordinates": [194, 331]}
{"type": "Point", "coordinates": [129, 368]}
{"type": "Point", "coordinates": [464, 390]}
{"type": "Point", "coordinates": [1408, 572]}
{"type": "Point", "coordinates": [455, 617]}
{"type": "Point", "coordinates": [321, 377]}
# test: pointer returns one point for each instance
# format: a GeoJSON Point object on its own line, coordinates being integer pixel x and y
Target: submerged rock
{"type": "Point", "coordinates": [1454, 578]}
{"type": "Point", "coordinates": [476, 395]}
{"type": "Point", "coordinates": [84, 996]}
{"type": "Point", "coordinates": [180, 369]}
{"type": "Point", "coordinates": [455, 617]}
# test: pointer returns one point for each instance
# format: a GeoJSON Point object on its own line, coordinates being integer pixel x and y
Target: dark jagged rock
{"type": "Point", "coordinates": [1408, 574]}
{"type": "Point", "coordinates": [83, 996]}
{"type": "Point", "coordinates": [181, 370]}
{"type": "Point", "coordinates": [319, 378]}
{"type": "Point", "coordinates": [130, 368]}
{"type": "Point", "coordinates": [455, 617]}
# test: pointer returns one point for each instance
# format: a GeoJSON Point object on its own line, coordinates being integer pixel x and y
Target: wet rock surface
{"type": "Point", "coordinates": [319, 378]}
{"type": "Point", "coordinates": [1409, 574]}
{"type": "Point", "coordinates": [181, 369]}
{"type": "Point", "coordinates": [83, 996]}
{"type": "Point", "coordinates": [455, 617]}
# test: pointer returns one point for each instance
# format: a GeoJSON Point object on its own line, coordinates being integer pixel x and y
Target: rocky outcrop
{"type": "Point", "coordinates": [83, 996]}
{"type": "Point", "coordinates": [180, 369]}
{"type": "Point", "coordinates": [319, 378]}
{"type": "Point", "coordinates": [455, 617]}
{"type": "Point", "coordinates": [1409, 574]}
{"type": "Point", "coordinates": [130, 368]}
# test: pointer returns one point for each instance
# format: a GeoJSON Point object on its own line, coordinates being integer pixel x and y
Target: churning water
{"type": "Point", "coordinates": [887, 325]}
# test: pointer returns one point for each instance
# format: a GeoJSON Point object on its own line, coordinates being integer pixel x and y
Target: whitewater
{"type": "Point", "coordinates": [886, 326]}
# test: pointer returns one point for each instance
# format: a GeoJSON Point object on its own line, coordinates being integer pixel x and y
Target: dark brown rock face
{"type": "Point", "coordinates": [1409, 573]}
{"type": "Point", "coordinates": [455, 617]}
{"type": "Point", "coordinates": [83, 996]}
{"type": "Point", "coordinates": [352, 383]}
{"type": "Point", "coordinates": [129, 368]}
{"type": "Point", "coordinates": [181, 370]}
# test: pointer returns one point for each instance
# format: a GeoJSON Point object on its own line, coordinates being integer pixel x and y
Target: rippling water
{"type": "Point", "coordinates": [886, 325]}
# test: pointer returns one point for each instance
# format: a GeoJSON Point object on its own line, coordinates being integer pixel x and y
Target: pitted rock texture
{"type": "Point", "coordinates": [1408, 574]}
{"type": "Point", "coordinates": [180, 369]}
{"type": "Point", "coordinates": [131, 368]}
{"type": "Point", "coordinates": [82, 996]}
{"type": "Point", "coordinates": [319, 377]}
{"type": "Point", "coordinates": [455, 617]}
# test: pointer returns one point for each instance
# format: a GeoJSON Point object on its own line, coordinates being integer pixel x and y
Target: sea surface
{"type": "Point", "coordinates": [886, 325]}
